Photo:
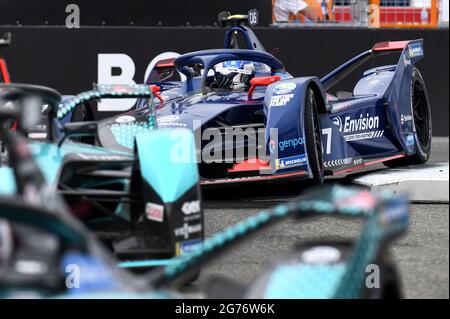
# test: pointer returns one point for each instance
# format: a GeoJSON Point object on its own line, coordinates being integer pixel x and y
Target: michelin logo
{"type": "Point", "coordinates": [293, 161]}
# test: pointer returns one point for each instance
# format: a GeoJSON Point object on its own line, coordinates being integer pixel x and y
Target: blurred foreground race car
{"type": "Point", "coordinates": [254, 121]}
{"type": "Point", "coordinates": [143, 205]}
{"type": "Point", "coordinates": [45, 252]}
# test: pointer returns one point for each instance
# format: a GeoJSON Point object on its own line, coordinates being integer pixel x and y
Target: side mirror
{"type": "Point", "coordinates": [261, 81]}
{"type": "Point", "coordinates": [78, 129]}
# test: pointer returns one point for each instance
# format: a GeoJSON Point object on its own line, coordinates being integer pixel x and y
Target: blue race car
{"type": "Point", "coordinates": [254, 121]}
{"type": "Point", "coordinates": [141, 204]}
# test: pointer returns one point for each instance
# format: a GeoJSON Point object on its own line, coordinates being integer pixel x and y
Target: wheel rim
{"type": "Point", "coordinates": [421, 115]}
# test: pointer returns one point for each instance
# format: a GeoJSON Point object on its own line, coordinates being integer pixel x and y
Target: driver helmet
{"type": "Point", "coordinates": [235, 74]}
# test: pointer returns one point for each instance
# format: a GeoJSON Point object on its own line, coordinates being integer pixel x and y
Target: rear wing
{"type": "Point", "coordinates": [411, 51]}
{"type": "Point", "coordinates": [107, 91]}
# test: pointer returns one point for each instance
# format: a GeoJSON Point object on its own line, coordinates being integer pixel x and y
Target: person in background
{"type": "Point", "coordinates": [291, 10]}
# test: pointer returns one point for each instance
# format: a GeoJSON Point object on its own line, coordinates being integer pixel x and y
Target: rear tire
{"type": "Point", "coordinates": [422, 123]}
{"type": "Point", "coordinates": [313, 137]}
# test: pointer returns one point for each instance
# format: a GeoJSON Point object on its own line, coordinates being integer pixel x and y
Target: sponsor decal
{"type": "Point", "coordinates": [292, 143]}
{"type": "Point", "coordinates": [338, 162]}
{"type": "Point", "coordinates": [405, 118]}
{"type": "Point", "coordinates": [358, 161]}
{"type": "Point", "coordinates": [338, 122]}
{"type": "Point", "coordinates": [363, 136]}
{"type": "Point", "coordinates": [363, 123]}
{"type": "Point", "coordinates": [186, 247]}
{"type": "Point", "coordinates": [415, 49]}
{"type": "Point", "coordinates": [154, 212]}
{"type": "Point", "coordinates": [187, 229]}
{"type": "Point", "coordinates": [409, 139]}
{"type": "Point", "coordinates": [280, 100]}
{"type": "Point", "coordinates": [125, 119]}
{"type": "Point", "coordinates": [284, 88]}
{"type": "Point", "coordinates": [321, 255]}
{"type": "Point", "coordinates": [293, 161]}
{"type": "Point", "coordinates": [190, 208]}
{"type": "Point", "coordinates": [355, 125]}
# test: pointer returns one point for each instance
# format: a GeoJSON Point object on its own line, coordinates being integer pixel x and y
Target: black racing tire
{"type": "Point", "coordinates": [313, 137]}
{"type": "Point", "coordinates": [422, 122]}
{"type": "Point", "coordinates": [83, 113]}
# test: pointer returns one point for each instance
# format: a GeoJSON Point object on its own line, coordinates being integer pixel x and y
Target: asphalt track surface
{"type": "Point", "coordinates": [422, 255]}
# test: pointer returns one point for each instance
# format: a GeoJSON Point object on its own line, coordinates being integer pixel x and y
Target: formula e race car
{"type": "Point", "coordinates": [46, 252]}
{"type": "Point", "coordinates": [254, 121]}
{"type": "Point", "coordinates": [142, 204]}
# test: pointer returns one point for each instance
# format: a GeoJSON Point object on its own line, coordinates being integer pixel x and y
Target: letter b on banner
{"type": "Point", "coordinates": [107, 63]}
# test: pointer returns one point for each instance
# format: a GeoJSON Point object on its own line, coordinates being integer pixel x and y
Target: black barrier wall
{"type": "Point", "coordinates": [69, 59]}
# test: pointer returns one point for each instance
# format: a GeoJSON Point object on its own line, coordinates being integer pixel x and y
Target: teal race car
{"type": "Point", "coordinates": [145, 206]}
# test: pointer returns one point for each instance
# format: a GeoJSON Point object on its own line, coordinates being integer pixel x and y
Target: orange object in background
{"type": "Point", "coordinates": [316, 5]}
{"type": "Point", "coordinates": [407, 17]}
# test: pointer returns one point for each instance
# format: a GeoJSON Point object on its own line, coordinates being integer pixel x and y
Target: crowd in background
{"type": "Point", "coordinates": [393, 13]}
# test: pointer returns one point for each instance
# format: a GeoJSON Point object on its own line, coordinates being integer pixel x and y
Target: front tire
{"type": "Point", "coordinates": [313, 137]}
{"type": "Point", "coordinates": [83, 113]}
{"type": "Point", "coordinates": [422, 124]}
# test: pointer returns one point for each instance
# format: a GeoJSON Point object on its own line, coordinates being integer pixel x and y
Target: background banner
{"type": "Point", "coordinates": [70, 60]}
